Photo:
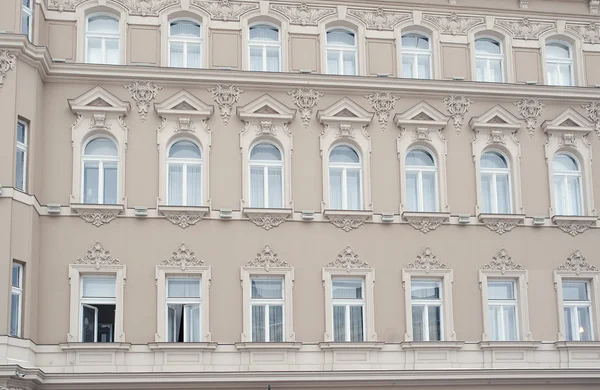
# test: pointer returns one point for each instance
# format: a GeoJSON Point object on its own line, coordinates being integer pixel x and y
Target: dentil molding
{"type": "Point", "coordinates": [577, 263]}
{"type": "Point", "coordinates": [383, 103]}
{"type": "Point", "coordinates": [453, 24]}
{"type": "Point", "coordinates": [502, 262]}
{"type": "Point", "coordinates": [98, 256]}
{"type": "Point", "coordinates": [225, 10]}
{"type": "Point", "coordinates": [303, 14]}
{"type": "Point", "coordinates": [379, 19]}
{"type": "Point", "coordinates": [348, 259]}
{"type": "Point", "coordinates": [182, 257]}
{"type": "Point", "coordinates": [305, 100]}
{"type": "Point", "coordinates": [524, 28]}
{"type": "Point", "coordinates": [427, 261]}
{"type": "Point", "coordinates": [143, 92]}
{"type": "Point", "coordinates": [530, 109]}
{"type": "Point", "coordinates": [457, 106]}
{"type": "Point", "coordinates": [267, 259]}
{"type": "Point", "coordinates": [225, 95]}
{"type": "Point", "coordinates": [7, 62]}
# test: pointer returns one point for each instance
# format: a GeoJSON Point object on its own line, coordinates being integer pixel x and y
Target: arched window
{"type": "Point", "coordinates": [100, 176]}
{"type": "Point", "coordinates": [495, 184]}
{"type": "Point", "coordinates": [488, 60]}
{"type": "Point", "coordinates": [265, 48]}
{"type": "Point", "coordinates": [266, 176]}
{"type": "Point", "coordinates": [566, 173]}
{"type": "Point", "coordinates": [102, 39]}
{"type": "Point", "coordinates": [559, 63]}
{"type": "Point", "coordinates": [345, 182]}
{"type": "Point", "coordinates": [185, 44]}
{"type": "Point", "coordinates": [184, 174]}
{"type": "Point", "coordinates": [416, 56]}
{"type": "Point", "coordinates": [421, 181]}
{"type": "Point", "coordinates": [341, 52]}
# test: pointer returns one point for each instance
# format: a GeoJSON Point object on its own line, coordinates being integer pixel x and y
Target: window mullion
{"type": "Point", "coordinates": [426, 322]}
{"type": "Point", "coordinates": [501, 327]}
{"type": "Point", "coordinates": [347, 315]}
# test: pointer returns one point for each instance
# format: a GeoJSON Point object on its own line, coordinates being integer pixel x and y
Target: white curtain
{"type": "Point", "coordinates": [94, 50]}
{"type": "Point", "coordinates": [256, 60]}
{"type": "Point", "coordinates": [194, 55]}
{"type": "Point", "coordinates": [276, 324]}
{"type": "Point", "coordinates": [411, 191]}
{"type": "Point", "coordinates": [353, 189]}
{"type": "Point", "coordinates": [110, 183]}
{"type": "Point", "coordinates": [192, 316]}
{"type": "Point", "coordinates": [335, 188]}
{"type": "Point", "coordinates": [574, 185]}
{"type": "Point", "coordinates": [333, 59]}
{"type": "Point", "coordinates": [257, 187]}
{"type": "Point", "coordinates": [272, 59]}
{"type": "Point", "coordinates": [503, 193]}
{"type": "Point", "coordinates": [90, 182]}
{"type": "Point", "coordinates": [112, 51]}
{"type": "Point", "coordinates": [565, 74]}
{"type": "Point", "coordinates": [570, 332]}
{"type": "Point", "coordinates": [347, 289]}
{"type": "Point", "coordinates": [194, 189]}
{"type": "Point", "coordinates": [434, 318]}
{"type": "Point", "coordinates": [258, 323]}
{"type": "Point", "coordinates": [339, 323]}
{"type": "Point", "coordinates": [188, 287]}
{"type": "Point", "coordinates": [486, 193]}
{"type": "Point", "coordinates": [14, 314]}
{"type": "Point", "coordinates": [275, 182]}
{"type": "Point", "coordinates": [418, 322]}
{"type": "Point", "coordinates": [356, 323]}
{"type": "Point", "coordinates": [98, 287]}
{"type": "Point", "coordinates": [408, 61]}
{"type": "Point", "coordinates": [429, 191]}
{"type": "Point", "coordinates": [176, 55]}
{"type": "Point", "coordinates": [349, 63]}
{"type": "Point", "coordinates": [494, 320]}
{"type": "Point", "coordinates": [510, 322]}
{"type": "Point", "coordinates": [424, 67]}
{"type": "Point", "coordinates": [175, 185]}
{"type": "Point", "coordinates": [585, 327]}
{"type": "Point", "coordinates": [266, 289]}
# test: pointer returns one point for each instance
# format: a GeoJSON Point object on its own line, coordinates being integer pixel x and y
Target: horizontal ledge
{"type": "Point", "coordinates": [509, 344]}
{"type": "Point", "coordinates": [486, 217]}
{"type": "Point", "coordinates": [254, 211]}
{"type": "Point", "coordinates": [353, 213]}
{"type": "Point", "coordinates": [578, 345]}
{"type": "Point", "coordinates": [352, 346]}
{"type": "Point", "coordinates": [253, 346]}
{"type": "Point", "coordinates": [411, 215]}
{"type": "Point", "coordinates": [444, 345]}
{"type": "Point", "coordinates": [182, 346]}
{"type": "Point", "coordinates": [115, 208]}
{"type": "Point", "coordinates": [195, 210]}
{"type": "Point", "coordinates": [95, 347]}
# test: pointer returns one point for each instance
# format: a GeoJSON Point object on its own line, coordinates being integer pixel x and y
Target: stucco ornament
{"type": "Point", "coordinates": [592, 110]}
{"type": "Point", "coordinates": [383, 103]}
{"type": "Point", "coordinates": [7, 62]}
{"type": "Point", "coordinates": [501, 227]}
{"type": "Point", "coordinates": [427, 261]}
{"type": "Point", "coordinates": [225, 9]}
{"type": "Point", "coordinates": [347, 222]}
{"type": "Point", "coordinates": [183, 220]}
{"type": "Point", "coordinates": [305, 100]}
{"type": "Point", "coordinates": [97, 217]}
{"type": "Point", "coordinates": [267, 221]}
{"type": "Point", "coordinates": [98, 256]}
{"type": "Point", "coordinates": [303, 14]}
{"type": "Point", "coordinates": [379, 19]}
{"type": "Point", "coordinates": [348, 259]}
{"type": "Point", "coordinates": [267, 259]}
{"type": "Point", "coordinates": [594, 6]}
{"type": "Point", "coordinates": [425, 225]}
{"type": "Point", "coordinates": [453, 24]}
{"type": "Point", "coordinates": [225, 95]}
{"type": "Point", "coordinates": [524, 4]}
{"type": "Point", "coordinates": [530, 109]}
{"type": "Point", "coordinates": [457, 106]}
{"type": "Point", "coordinates": [143, 92]}
{"type": "Point", "coordinates": [525, 28]}
{"type": "Point", "coordinates": [183, 257]}
{"type": "Point", "coordinates": [147, 7]}
{"type": "Point", "coordinates": [574, 228]}
{"type": "Point", "coordinates": [589, 32]}
{"type": "Point", "coordinates": [63, 5]}
{"type": "Point", "coordinates": [577, 263]}
{"type": "Point", "coordinates": [503, 262]}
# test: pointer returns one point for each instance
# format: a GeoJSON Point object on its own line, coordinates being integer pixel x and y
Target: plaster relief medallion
{"type": "Point", "coordinates": [182, 257]}
{"type": "Point", "coordinates": [185, 124]}
{"type": "Point", "coordinates": [500, 226]}
{"type": "Point", "coordinates": [496, 137]}
{"type": "Point", "coordinates": [503, 262]}
{"type": "Point", "coordinates": [267, 221]}
{"type": "Point", "coordinates": [590, 32]}
{"type": "Point", "coordinates": [347, 222]}
{"type": "Point", "coordinates": [425, 225]}
{"type": "Point", "coordinates": [574, 228]}
{"type": "Point", "coordinates": [427, 261]}
{"type": "Point", "coordinates": [303, 14]}
{"type": "Point", "coordinates": [267, 259]}
{"type": "Point", "coordinates": [143, 92]}
{"type": "Point", "coordinates": [183, 220]}
{"type": "Point", "coordinates": [63, 5]}
{"type": "Point", "coordinates": [530, 109]}
{"type": "Point", "coordinates": [379, 19]}
{"type": "Point", "coordinates": [98, 256]}
{"type": "Point", "coordinates": [97, 217]}
{"type": "Point", "coordinates": [305, 100]}
{"type": "Point", "coordinates": [525, 28]}
{"type": "Point", "coordinates": [594, 6]}
{"type": "Point", "coordinates": [265, 127]}
{"type": "Point", "coordinates": [225, 10]}
{"type": "Point", "coordinates": [524, 4]}
{"type": "Point", "coordinates": [100, 121]}
{"type": "Point", "coordinates": [577, 263]}
{"type": "Point", "coordinates": [421, 134]}
{"type": "Point", "coordinates": [344, 131]}
{"type": "Point", "coordinates": [147, 7]}
{"type": "Point", "coordinates": [567, 139]}
{"type": "Point", "coordinates": [225, 95]}
{"type": "Point", "coordinates": [348, 259]}
{"type": "Point", "coordinates": [453, 24]}
{"type": "Point", "coordinates": [457, 106]}
{"type": "Point", "coordinates": [592, 110]}
{"type": "Point", "coordinates": [7, 62]}
{"type": "Point", "coordinates": [383, 103]}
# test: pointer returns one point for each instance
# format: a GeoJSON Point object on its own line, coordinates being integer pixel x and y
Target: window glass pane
{"type": "Point", "coordinates": [407, 66]}
{"type": "Point", "coordinates": [273, 59]}
{"type": "Point", "coordinates": [21, 132]}
{"type": "Point", "coordinates": [510, 322]}
{"type": "Point", "coordinates": [15, 314]}
{"type": "Point", "coordinates": [558, 50]}
{"type": "Point", "coordinates": [418, 322]}
{"type": "Point", "coordinates": [480, 69]}
{"type": "Point", "coordinates": [340, 37]}
{"type": "Point", "coordinates": [256, 58]}
{"type": "Point", "coordinates": [192, 317]}
{"type": "Point", "coordinates": [429, 192]}
{"type": "Point", "coordinates": [103, 23]}
{"type": "Point", "coordinates": [184, 28]}
{"type": "Point", "coordinates": [16, 275]}
{"type": "Point", "coordinates": [112, 51]}
{"type": "Point", "coordinates": [415, 41]}
{"type": "Point", "coordinates": [267, 152]}
{"type": "Point", "coordinates": [552, 73]}
{"type": "Point", "coordinates": [560, 195]}
{"type": "Point", "coordinates": [94, 50]}
{"type": "Point", "coordinates": [20, 170]}
{"type": "Point", "coordinates": [487, 46]}
{"type": "Point", "coordinates": [339, 323]}
{"type": "Point", "coordinates": [565, 74]}
{"type": "Point", "coordinates": [425, 289]}
{"type": "Point", "coordinates": [258, 323]}
{"type": "Point", "coordinates": [184, 149]}
{"type": "Point", "coordinates": [349, 63]}
{"type": "Point", "coordinates": [27, 3]}
{"type": "Point", "coordinates": [176, 54]}
{"type": "Point", "coordinates": [573, 182]}
{"type": "Point", "coordinates": [435, 323]}
{"type": "Point", "coordinates": [25, 21]}
{"type": "Point", "coordinates": [98, 287]}
{"type": "Point", "coordinates": [264, 33]}
{"type": "Point", "coordinates": [175, 322]}
{"type": "Point", "coordinates": [90, 182]}
{"type": "Point", "coordinates": [275, 188]}
{"type": "Point", "coordinates": [424, 67]}
{"type": "Point", "coordinates": [343, 154]}
{"type": "Point", "coordinates": [565, 162]}
{"type": "Point", "coordinates": [501, 289]}
{"type": "Point", "coordinates": [575, 291]}
{"type": "Point", "coordinates": [486, 193]}
{"type": "Point", "coordinates": [418, 157]}
{"type": "Point", "coordinates": [495, 71]}
{"type": "Point", "coordinates": [175, 194]}
{"type": "Point", "coordinates": [110, 183]}
{"type": "Point", "coordinates": [568, 324]}
{"type": "Point", "coordinates": [335, 188]}
{"type": "Point", "coordinates": [333, 62]}
{"type": "Point", "coordinates": [353, 190]}
{"type": "Point", "coordinates": [101, 147]}
{"type": "Point", "coordinates": [356, 323]}
{"type": "Point", "coordinates": [494, 320]}
{"type": "Point", "coordinates": [266, 288]}
{"type": "Point", "coordinates": [346, 288]}
{"type": "Point", "coordinates": [257, 187]}
{"type": "Point", "coordinates": [183, 287]}
{"type": "Point", "coordinates": [194, 55]}
{"type": "Point", "coordinates": [89, 324]}
{"type": "Point", "coordinates": [585, 328]}
{"type": "Point", "coordinates": [411, 191]}
{"type": "Point", "coordinates": [276, 324]}
{"type": "Point", "coordinates": [493, 160]}
{"type": "Point", "coordinates": [503, 188]}
{"type": "Point", "coordinates": [194, 185]}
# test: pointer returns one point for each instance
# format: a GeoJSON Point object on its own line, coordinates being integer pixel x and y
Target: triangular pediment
{"type": "Point", "coordinates": [568, 120]}
{"type": "Point", "coordinates": [421, 117]}
{"type": "Point", "coordinates": [266, 107]}
{"type": "Point", "coordinates": [98, 99]}
{"type": "Point", "coordinates": [498, 118]}
{"type": "Point", "coordinates": [184, 103]}
{"type": "Point", "coordinates": [345, 114]}
{"type": "Point", "coordinates": [345, 110]}
{"type": "Point", "coordinates": [422, 113]}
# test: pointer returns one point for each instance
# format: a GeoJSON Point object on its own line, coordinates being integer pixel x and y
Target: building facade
{"type": "Point", "coordinates": [283, 195]}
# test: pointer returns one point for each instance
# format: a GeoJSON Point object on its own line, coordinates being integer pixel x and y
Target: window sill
{"type": "Point", "coordinates": [348, 219]}
{"type": "Point", "coordinates": [368, 345]}
{"type": "Point", "coordinates": [433, 345]}
{"type": "Point", "coordinates": [252, 212]}
{"type": "Point", "coordinates": [574, 224]}
{"type": "Point", "coordinates": [250, 346]}
{"type": "Point", "coordinates": [95, 346]}
{"type": "Point", "coordinates": [577, 344]}
{"type": "Point", "coordinates": [80, 208]}
{"type": "Point", "coordinates": [200, 211]}
{"type": "Point", "coordinates": [425, 221]}
{"type": "Point", "coordinates": [182, 346]}
{"type": "Point", "coordinates": [501, 223]}
{"type": "Point", "coordinates": [509, 344]}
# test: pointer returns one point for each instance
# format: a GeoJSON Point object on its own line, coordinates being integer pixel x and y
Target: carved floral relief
{"type": "Point", "coordinates": [7, 62]}
{"type": "Point", "coordinates": [143, 92]}
{"type": "Point", "coordinates": [98, 256]}
{"type": "Point", "coordinates": [383, 103]}
{"type": "Point", "coordinates": [225, 10]}
{"type": "Point", "coordinates": [457, 106]}
{"type": "Point", "coordinates": [225, 95]}
{"type": "Point", "coordinates": [305, 100]}
{"type": "Point", "coordinates": [303, 14]}
{"type": "Point", "coordinates": [530, 109]}
{"type": "Point", "coordinates": [182, 257]}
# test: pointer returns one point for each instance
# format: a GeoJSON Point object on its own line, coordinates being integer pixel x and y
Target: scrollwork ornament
{"type": "Point", "coordinates": [589, 32]}
{"type": "Point", "coordinates": [225, 95]}
{"type": "Point", "coordinates": [594, 6]}
{"type": "Point", "coordinates": [503, 262]}
{"type": "Point", "coordinates": [97, 217]}
{"type": "Point", "coordinates": [183, 258]}
{"type": "Point", "coordinates": [98, 256]}
{"type": "Point", "coordinates": [225, 10]}
{"type": "Point", "coordinates": [379, 19]}
{"type": "Point", "coordinates": [530, 109]}
{"type": "Point", "coordinates": [501, 227]}
{"type": "Point", "coordinates": [577, 263]}
{"type": "Point", "coordinates": [574, 228]}
{"type": "Point", "coordinates": [425, 225]}
{"type": "Point", "coordinates": [267, 221]}
{"type": "Point", "coordinates": [347, 223]}
{"type": "Point", "coordinates": [383, 103]}
{"type": "Point", "coordinates": [8, 61]}
{"type": "Point", "coordinates": [303, 14]}
{"type": "Point", "coordinates": [183, 220]}
{"type": "Point", "coordinates": [305, 100]}
{"type": "Point", "coordinates": [143, 92]}
{"type": "Point", "coordinates": [267, 259]}
{"type": "Point", "coordinates": [453, 24]}
{"type": "Point", "coordinates": [63, 5]}
{"type": "Point", "coordinates": [457, 106]}
{"type": "Point", "coordinates": [147, 7]}
{"type": "Point", "coordinates": [525, 28]}
{"type": "Point", "coordinates": [427, 261]}
{"type": "Point", "coordinates": [592, 110]}
{"type": "Point", "coordinates": [348, 259]}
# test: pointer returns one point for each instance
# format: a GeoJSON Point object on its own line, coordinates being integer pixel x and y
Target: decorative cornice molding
{"type": "Point", "coordinates": [348, 259]}
{"type": "Point", "coordinates": [574, 228]}
{"type": "Point", "coordinates": [267, 259]}
{"type": "Point", "coordinates": [7, 62]}
{"type": "Point", "coordinates": [143, 92]}
{"type": "Point", "coordinates": [577, 263]}
{"type": "Point", "coordinates": [379, 19]}
{"type": "Point", "coordinates": [347, 222]}
{"type": "Point", "coordinates": [589, 32]}
{"type": "Point", "coordinates": [501, 226]}
{"type": "Point", "coordinates": [453, 24]}
{"type": "Point", "coordinates": [524, 28]}
{"type": "Point", "coordinates": [267, 221]}
{"type": "Point", "coordinates": [98, 256]}
{"type": "Point", "coordinates": [225, 95]}
{"type": "Point", "coordinates": [530, 109]}
{"type": "Point", "coordinates": [427, 261]}
{"type": "Point", "coordinates": [303, 14]}
{"type": "Point", "coordinates": [592, 111]}
{"type": "Point", "coordinates": [225, 10]}
{"type": "Point", "coordinates": [502, 262]}
{"type": "Point", "coordinates": [182, 257]}
{"type": "Point", "coordinates": [305, 100]}
{"type": "Point", "coordinates": [383, 103]}
{"type": "Point", "coordinates": [97, 217]}
{"type": "Point", "coordinates": [457, 106]}
{"type": "Point", "coordinates": [183, 220]}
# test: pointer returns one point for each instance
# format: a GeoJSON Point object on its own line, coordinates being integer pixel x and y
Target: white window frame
{"type": "Point", "coordinates": [266, 164]}
{"type": "Point", "coordinates": [267, 303]}
{"type": "Point", "coordinates": [574, 306]}
{"type": "Point", "coordinates": [100, 160]}
{"type": "Point", "coordinates": [419, 169]}
{"type": "Point", "coordinates": [28, 12]}
{"type": "Point", "coordinates": [264, 44]}
{"type": "Point", "coordinates": [347, 304]}
{"type": "Point", "coordinates": [18, 291]}
{"type": "Point", "coordinates": [184, 163]}
{"type": "Point", "coordinates": [92, 302]}
{"type": "Point", "coordinates": [185, 41]}
{"type": "Point", "coordinates": [341, 49]}
{"type": "Point", "coordinates": [415, 53]}
{"type": "Point", "coordinates": [502, 303]}
{"type": "Point", "coordinates": [186, 302]}
{"type": "Point", "coordinates": [103, 36]}
{"type": "Point", "coordinates": [550, 61]}
{"type": "Point", "coordinates": [345, 167]}
{"type": "Point", "coordinates": [23, 147]}
{"type": "Point", "coordinates": [495, 172]}
{"type": "Point", "coordinates": [488, 58]}
{"type": "Point", "coordinates": [565, 176]}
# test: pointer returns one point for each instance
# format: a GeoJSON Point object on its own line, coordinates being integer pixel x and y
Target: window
{"type": "Point", "coordinates": [566, 174]}
{"type": "Point", "coordinates": [100, 161]}
{"type": "Point", "coordinates": [184, 171]}
{"type": "Point", "coordinates": [266, 176]}
{"type": "Point", "coordinates": [341, 52]}
{"type": "Point", "coordinates": [421, 181]}
{"type": "Point", "coordinates": [577, 308]}
{"type": "Point", "coordinates": [185, 44]}
{"type": "Point", "coordinates": [502, 310]}
{"type": "Point", "coordinates": [267, 309]}
{"type": "Point", "coordinates": [184, 309]}
{"type": "Point", "coordinates": [559, 63]}
{"type": "Point", "coordinates": [426, 296]}
{"type": "Point", "coordinates": [488, 60]}
{"type": "Point", "coordinates": [495, 183]}
{"type": "Point", "coordinates": [21, 163]}
{"type": "Point", "coordinates": [16, 300]}
{"type": "Point", "coordinates": [102, 39]}
{"type": "Point", "coordinates": [348, 309]}
{"type": "Point", "coordinates": [416, 56]}
{"type": "Point", "coordinates": [27, 18]}
{"type": "Point", "coordinates": [345, 185]}
{"type": "Point", "coordinates": [265, 48]}
{"type": "Point", "coordinates": [98, 305]}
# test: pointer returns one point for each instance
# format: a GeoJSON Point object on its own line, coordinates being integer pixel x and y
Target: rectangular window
{"type": "Point", "coordinates": [577, 310]}
{"type": "Point", "coordinates": [16, 300]}
{"type": "Point", "coordinates": [348, 309]}
{"type": "Point", "coordinates": [426, 298]}
{"type": "Point", "coordinates": [184, 303]}
{"type": "Point", "coordinates": [98, 304]}
{"type": "Point", "coordinates": [502, 310]}
{"type": "Point", "coordinates": [267, 309]}
{"type": "Point", "coordinates": [27, 18]}
{"type": "Point", "coordinates": [21, 163]}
